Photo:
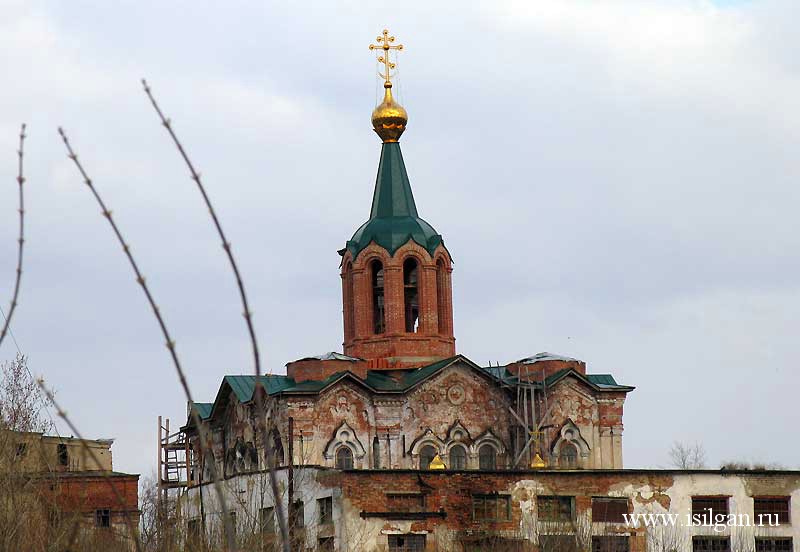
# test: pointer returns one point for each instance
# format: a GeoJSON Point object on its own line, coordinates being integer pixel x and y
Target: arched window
{"type": "Point", "coordinates": [568, 456]}
{"type": "Point", "coordinates": [426, 455]}
{"type": "Point", "coordinates": [376, 453]}
{"type": "Point", "coordinates": [441, 295]}
{"type": "Point", "coordinates": [344, 458]}
{"type": "Point", "coordinates": [349, 302]}
{"type": "Point", "coordinates": [487, 457]}
{"type": "Point", "coordinates": [411, 294]}
{"type": "Point", "coordinates": [378, 317]}
{"type": "Point", "coordinates": [458, 458]}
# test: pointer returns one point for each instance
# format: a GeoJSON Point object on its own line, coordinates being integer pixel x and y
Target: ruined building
{"type": "Point", "coordinates": [400, 443]}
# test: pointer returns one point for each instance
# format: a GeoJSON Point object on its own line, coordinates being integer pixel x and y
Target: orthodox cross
{"type": "Point", "coordinates": [385, 44]}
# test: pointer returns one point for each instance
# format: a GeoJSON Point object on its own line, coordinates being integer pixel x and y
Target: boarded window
{"type": "Point", "coordinates": [406, 543]}
{"type": "Point", "coordinates": [406, 502]}
{"type": "Point", "coordinates": [556, 508]}
{"type": "Point", "coordinates": [458, 458]}
{"type": "Point", "coordinates": [491, 507]}
{"type": "Point", "coordinates": [711, 544]}
{"type": "Point", "coordinates": [267, 520]}
{"type": "Point", "coordinates": [325, 510]}
{"type": "Point", "coordinates": [706, 507]}
{"type": "Point", "coordinates": [426, 455]}
{"type": "Point", "coordinates": [610, 544]}
{"type": "Point", "coordinates": [774, 544]}
{"type": "Point", "coordinates": [344, 458]}
{"type": "Point", "coordinates": [772, 509]}
{"type": "Point", "coordinates": [611, 510]}
{"type": "Point", "coordinates": [102, 518]}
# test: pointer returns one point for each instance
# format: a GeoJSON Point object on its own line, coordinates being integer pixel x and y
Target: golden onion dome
{"type": "Point", "coordinates": [389, 119]}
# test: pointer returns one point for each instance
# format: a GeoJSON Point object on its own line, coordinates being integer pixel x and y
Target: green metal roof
{"type": "Point", "coordinates": [602, 379]}
{"type": "Point", "coordinates": [203, 410]}
{"type": "Point", "coordinates": [393, 219]}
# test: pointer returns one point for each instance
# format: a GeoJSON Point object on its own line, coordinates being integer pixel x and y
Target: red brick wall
{"type": "Point", "coordinates": [432, 341]}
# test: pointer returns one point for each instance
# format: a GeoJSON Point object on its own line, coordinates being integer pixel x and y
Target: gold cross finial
{"type": "Point", "coordinates": [385, 44]}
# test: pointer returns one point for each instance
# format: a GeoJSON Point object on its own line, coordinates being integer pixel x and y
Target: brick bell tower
{"type": "Point", "coordinates": [396, 271]}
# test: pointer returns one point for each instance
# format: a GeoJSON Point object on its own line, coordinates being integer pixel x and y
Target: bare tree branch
{"type": "Point", "coordinates": [21, 240]}
{"type": "Point", "coordinates": [170, 343]}
{"type": "Point", "coordinates": [226, 245]}
{"type": "Point", "coordinates": [687, 457]}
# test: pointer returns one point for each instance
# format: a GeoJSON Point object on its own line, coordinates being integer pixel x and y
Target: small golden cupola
{"type": "Point", "coordinates": [389, 119]}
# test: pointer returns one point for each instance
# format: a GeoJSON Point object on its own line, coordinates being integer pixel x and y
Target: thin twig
{"type": "Point", "coordinates": [132, 532]}
{"type": "Point", "coordinates": [170, 343]}
{"type": "Point", "coordinates": [248, 316]}
{"type": "Point", "coordinates": [21, 240]}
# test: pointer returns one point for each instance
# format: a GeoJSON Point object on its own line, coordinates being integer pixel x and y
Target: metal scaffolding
{"type": "Point", "coordinates": [173, 461]}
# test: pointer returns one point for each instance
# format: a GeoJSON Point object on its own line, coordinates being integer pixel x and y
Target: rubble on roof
{"type": "Point", "coordinates": [329, 356]}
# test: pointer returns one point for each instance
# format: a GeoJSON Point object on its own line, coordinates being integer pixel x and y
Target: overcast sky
{"type": "Point", "coordinates": [616, 181]}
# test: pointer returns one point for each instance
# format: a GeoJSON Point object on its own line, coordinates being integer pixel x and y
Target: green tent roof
{"type": "Point", "coordinates": [393, 219]}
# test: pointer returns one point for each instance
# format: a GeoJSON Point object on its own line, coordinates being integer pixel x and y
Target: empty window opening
{"type": "Point", "coordinates": [326, 544]}
{"type": "Point", "coordinates": [487, 458]}
{"type": "Point", "coordinates": [411, 294]}
{"type": "Point", "coordinates": [325, 510]}
{"type": "Point", "coordinates": [63, 455]}
{"type": "Point", "coordinates": [102, 518]}
{"type": "Point", "coordinates": [299, 514]}
{"type": "Point", "coordinates": [378, 314]}
{"type": "Point", "coordinates": [426, 455]}
{"type": "Point", "coordinates": [344, 458]}
{"type": "Point", "coordinates": [349, 302]}
{"type": "Point", "coordinates": [441, 295]}
{"type": "Point", "coordinates": [458, 458]}
{"type": "Point", "coordinates": [267, 520]}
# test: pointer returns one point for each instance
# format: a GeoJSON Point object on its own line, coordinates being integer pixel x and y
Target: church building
{"type": "Point", "coordinates": [383, 443]}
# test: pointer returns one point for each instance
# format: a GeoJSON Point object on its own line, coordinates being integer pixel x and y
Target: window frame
{"type": "Point", "coordinates": [559, 517]}
{"type": "Point", "coordinates": [351, 460]}
{"type": "Point", "coordinates": [325, 510]}
{"type": "Point", "coordinates": [102, 518]}
{"type": "Point", "coordinates": [418, 546]}
{"type": "Point", "coordinates": [481, 502]}
{"type": "Point", "coordinates": [463, 449]}
{"type": "Point", "coordinates": [773, 541]}
{"type": "Point", "coordinates": [784, 514]}
{"type": "Point", "coordinates": [605, 516]}
{"type": "Point", "coordinates": [711, 539]}
{"type": "Point", "coordinates": [704, 506]}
